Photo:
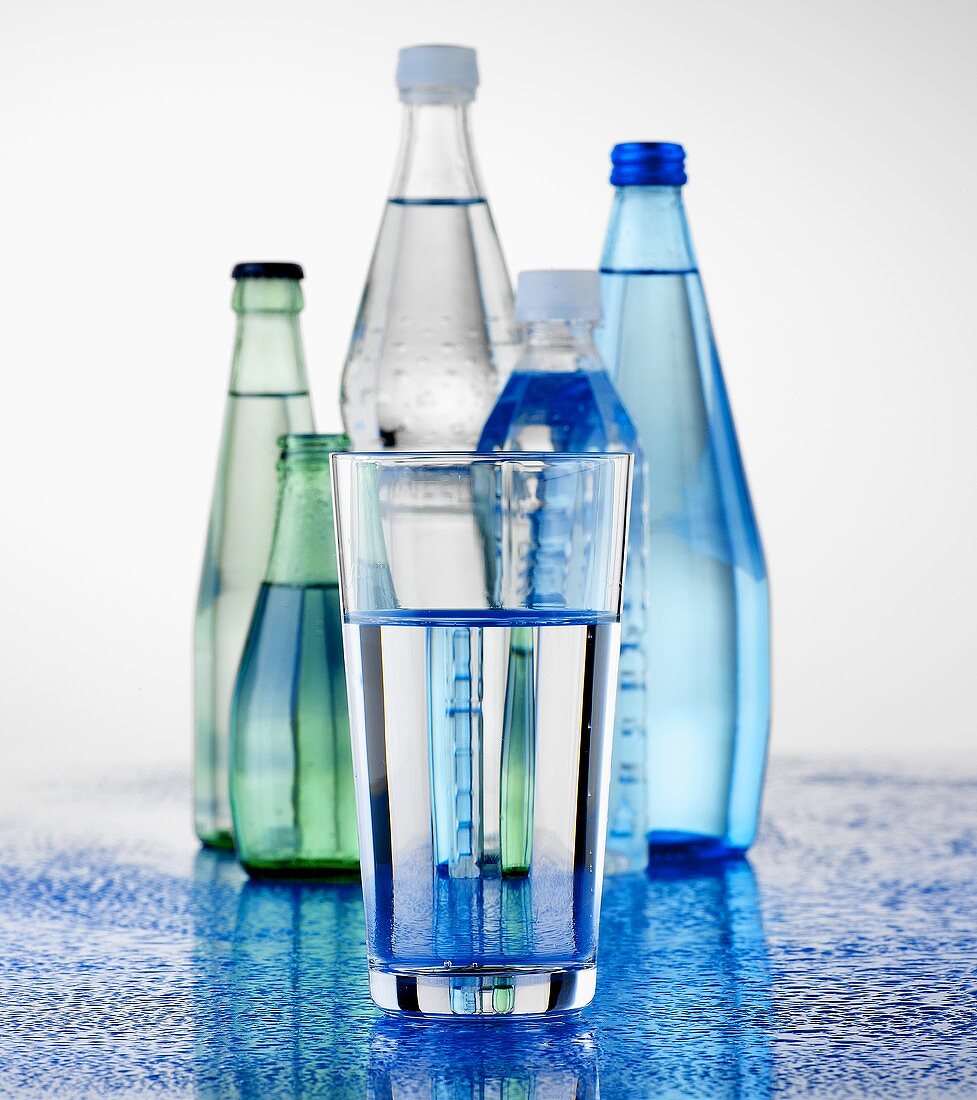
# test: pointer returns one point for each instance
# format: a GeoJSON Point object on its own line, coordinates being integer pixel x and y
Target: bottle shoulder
{"type": "Point", "coordinates": [581, 410]}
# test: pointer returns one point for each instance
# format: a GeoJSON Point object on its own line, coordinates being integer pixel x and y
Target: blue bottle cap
{"type": "Point", "coordinates": [265, 269]}
{"type": "Point", "coordinates": [648, 164]}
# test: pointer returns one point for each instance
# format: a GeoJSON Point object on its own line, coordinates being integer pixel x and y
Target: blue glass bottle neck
{"type": "Point", "coordinates": [648, 233]}
{"type": "Point", "coordinates": [436, 163]}
{"type": "Point", "coordinates": [555, 346]}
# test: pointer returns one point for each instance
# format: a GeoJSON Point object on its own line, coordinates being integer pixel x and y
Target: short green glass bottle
{"type": "Point", "coordinates": [292, 794]}
{"type": "Point", "coordinates": [268, 396]}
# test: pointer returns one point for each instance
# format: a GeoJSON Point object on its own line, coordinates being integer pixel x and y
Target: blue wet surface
{"type": "Point", "coordinates": [840, 961]}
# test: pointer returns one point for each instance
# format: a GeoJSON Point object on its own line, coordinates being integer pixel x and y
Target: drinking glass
{"type": "Point", "coordinates": [481, 598]}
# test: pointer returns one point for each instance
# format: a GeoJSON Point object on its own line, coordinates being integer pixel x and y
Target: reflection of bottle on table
{"type": "Point", "coordinates": [690, 965]}
{"type": "Point", "coordinates": [296, 986]}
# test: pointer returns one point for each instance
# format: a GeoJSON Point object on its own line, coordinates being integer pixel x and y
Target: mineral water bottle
{"type": "Point", "coordinates": [559, 398]}
{"type": "Point", "coordinates": [268, 397]}
{"type": "Point", "coordinates": [434, 330]}
{"type": "Point", "coordinates": [433, 336]}
{"type": "Point", "coordinates": [707, 639]}
{"type": "Point", "coordinates": [291, 765]}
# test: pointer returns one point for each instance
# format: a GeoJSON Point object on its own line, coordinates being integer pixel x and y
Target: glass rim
{"type": "Point", "coordinates": [463, 458]}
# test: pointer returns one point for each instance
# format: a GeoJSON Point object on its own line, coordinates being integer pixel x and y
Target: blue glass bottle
{"type": "Point", "coordinates": [559, 398]}
{"type": "Point", "coordinates": [707, 638]}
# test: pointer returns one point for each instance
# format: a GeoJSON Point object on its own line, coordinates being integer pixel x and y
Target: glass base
{"type": "Point", "coordinates": [664, 844]}
{"type": "Point", "coordinates": [484, 993]}
{"type": "Point", "coordinates": [298, 871]}
{"type": "Point", "coordinates": [221, 840]}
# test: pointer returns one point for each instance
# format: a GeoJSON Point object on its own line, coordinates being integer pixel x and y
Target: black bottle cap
{"type": "Point", "coordinates": [258, 269]}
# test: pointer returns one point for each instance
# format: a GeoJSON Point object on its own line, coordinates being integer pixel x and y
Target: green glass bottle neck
{"type": "Point", "coordinates": [303, 551]}
{"type": "Point", "coordinates": [268, 355]}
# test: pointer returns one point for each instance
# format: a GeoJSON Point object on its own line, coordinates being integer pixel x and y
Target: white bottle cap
{"type": "Point", "coordinates": [557, 295]}
{"type": "Point", "coordinates": [437, 74]}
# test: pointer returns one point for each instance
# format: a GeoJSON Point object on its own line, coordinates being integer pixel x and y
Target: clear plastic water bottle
{"type": "Point", "coordinates": [268, 397]}
{"type": "Point", "coordinates": [559, 398]}
{"type": "Point", "coordinates": [708, 629]}
{"type": "Point", "coordinates": [434, 331]}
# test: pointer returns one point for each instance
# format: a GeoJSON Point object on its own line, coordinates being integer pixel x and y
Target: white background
{"type": "Point", "coordinates": [146, 146]}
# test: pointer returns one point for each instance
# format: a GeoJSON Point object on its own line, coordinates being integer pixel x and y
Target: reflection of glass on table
{"type": "Point", "coordinates": [409, 1058]}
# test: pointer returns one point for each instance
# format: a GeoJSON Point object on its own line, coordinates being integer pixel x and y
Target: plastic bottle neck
{"type": "Point", "coordinates": [268, 353]}
{"type": "Point", "coordinates": [436, 160]}
{"type": "Point", "coordinates": [648, 233]}
{"type": "Point", "coordinates": [556, 346]}
{"type": "Point", "coordinates": [303, 551]}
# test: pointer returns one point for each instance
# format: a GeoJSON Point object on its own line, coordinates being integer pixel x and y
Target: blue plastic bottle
{"type": "Point", "coordinates": [707, 640]}
{"type": "Point", "coordinates": [559, 398]}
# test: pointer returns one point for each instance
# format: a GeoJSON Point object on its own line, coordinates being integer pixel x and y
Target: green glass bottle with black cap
{"type": "Point", "coordinates": [268, 397]}
{"type": "Point", "coordinates": [292, 793]}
